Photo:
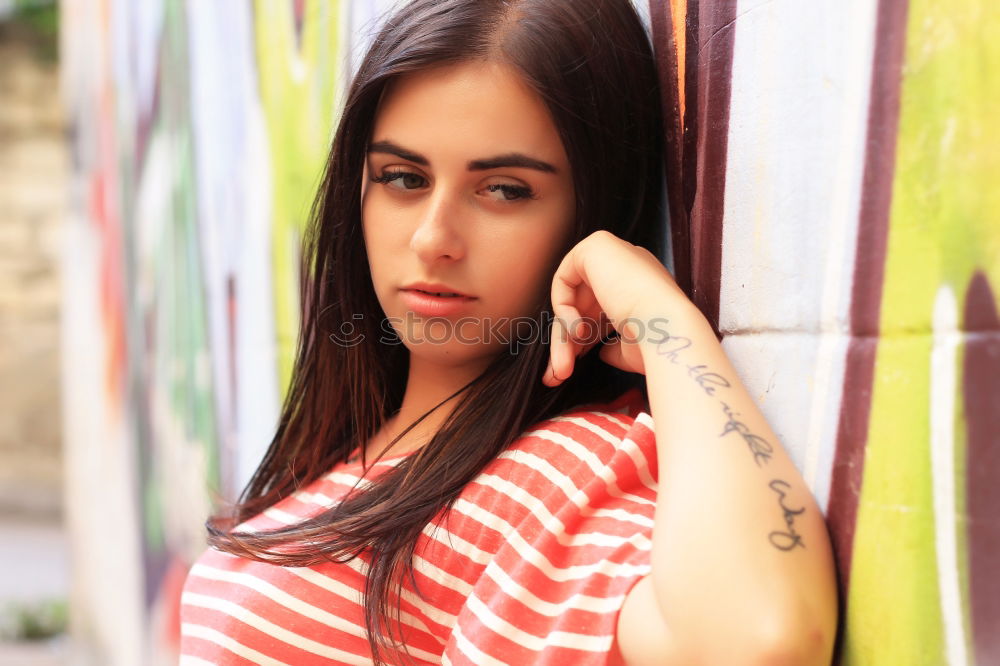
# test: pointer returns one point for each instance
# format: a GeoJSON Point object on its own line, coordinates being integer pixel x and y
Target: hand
{"type": "Point", "coordinates": [605, 285]}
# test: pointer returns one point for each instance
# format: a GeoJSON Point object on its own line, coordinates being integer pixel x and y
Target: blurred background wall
{"type": "Point", "coordinates": [832, 208]}
{"type": "Point", "coordinates": [201, 129]}
{"type": "Point", "coordinates": [34, 172]}
{"type": "Point", "coordinates": [34, 163]}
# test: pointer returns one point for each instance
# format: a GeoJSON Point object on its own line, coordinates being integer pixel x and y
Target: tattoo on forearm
{"type": "Point", "coordinates": [672, 346]}
{"type": "Point", "coordinates": [759, 447]}
{"type": "Point", "coordinates": [789, 539]}
{"type": "Point", "coordinates": [708, 381]}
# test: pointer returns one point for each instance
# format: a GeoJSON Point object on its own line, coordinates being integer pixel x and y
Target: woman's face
{"type": "Point", "coordinates": [467, 191]}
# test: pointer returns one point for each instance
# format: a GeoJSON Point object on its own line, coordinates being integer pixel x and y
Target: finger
{"type": "Point", "coordinates": [563, 358]}
{"type": "Point", "coordinates": [547, 377]}
{"type": "Point", "coordinates": [572, 302]}
{"type": "Point", "coordinates": [563, 352]}
{"type": "Point", "coordinates": [611, 353]}
{"type": "Point", "coordinates": [572, 339]}
{"type": "Point", "coordinates": [552, 379]}
{"type": "Point", "coordinates": [564, 301]}
{"type": "Point", "coordinates": [564, 295]}
{"type": "Point", "coordinates": [551, 376]}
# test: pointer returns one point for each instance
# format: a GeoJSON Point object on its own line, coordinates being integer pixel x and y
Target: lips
{"type": "Point", "coordinates": [434, 300]}
{"type": "Point", "coordinates": [434, 293]}
{"type": "Point", "coordinates": [436, 289]}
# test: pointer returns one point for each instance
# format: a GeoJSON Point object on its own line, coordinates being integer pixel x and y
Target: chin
{"type": "Point", "coordinates": [454, 354]}
{"type": "Point", "coordinates": [453, 346]}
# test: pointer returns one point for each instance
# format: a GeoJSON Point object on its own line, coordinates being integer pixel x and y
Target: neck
{"type": "Point", "coordinates": [427, 384]}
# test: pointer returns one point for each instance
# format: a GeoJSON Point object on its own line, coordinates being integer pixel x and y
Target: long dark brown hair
{"type": "Point", "coordinates": [592, 64]}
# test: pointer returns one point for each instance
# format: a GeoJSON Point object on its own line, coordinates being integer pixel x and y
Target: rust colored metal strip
{"type": "Point", "coordinates": [705, 166]}
{"type": "Point", "coordinates": [669, 63]}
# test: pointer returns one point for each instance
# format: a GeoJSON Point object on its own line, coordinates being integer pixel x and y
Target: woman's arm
{"type": "Point", "coordinates": [742, 569]}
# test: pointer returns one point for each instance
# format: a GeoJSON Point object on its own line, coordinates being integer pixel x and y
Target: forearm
{"type": "Point", "coordinates": [741, 557]}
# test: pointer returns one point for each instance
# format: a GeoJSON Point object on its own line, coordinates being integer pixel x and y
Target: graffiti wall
{"type": "Point", "coordinates": [200, 129]}
{"type": "Point", "coordinates": [831, 208]}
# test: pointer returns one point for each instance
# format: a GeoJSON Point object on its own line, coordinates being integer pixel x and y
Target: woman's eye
{"type": "Point", "coordinates": [407, 180]}
{"type": "Point", "coordinates": [508, 192]}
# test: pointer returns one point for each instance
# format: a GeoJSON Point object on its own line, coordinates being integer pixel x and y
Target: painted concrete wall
{"type": "Point", "coordinates": [834, 209]}
{"type": "Point", "coordinates": [830, 207]}
{"type": "Point", "coordinates": [200, 132]}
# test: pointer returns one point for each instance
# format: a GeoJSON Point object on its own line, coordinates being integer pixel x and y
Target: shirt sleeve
{"type": "Point", "coordinates": [572, 503]}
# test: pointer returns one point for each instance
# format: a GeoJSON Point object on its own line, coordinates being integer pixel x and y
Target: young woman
{"type": "Point", "coordinates": [458, 477]}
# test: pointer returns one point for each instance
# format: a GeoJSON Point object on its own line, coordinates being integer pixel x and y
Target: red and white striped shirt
{"type": "Point", "coordinates": [531, 566]}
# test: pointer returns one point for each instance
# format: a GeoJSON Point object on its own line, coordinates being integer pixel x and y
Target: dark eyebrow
{"type": "Point", "coordinates": [511, 160]}
{"type": "Point", "coordinates": [392, 149]}
{"type": "Point", "coordinates": [508, 160]}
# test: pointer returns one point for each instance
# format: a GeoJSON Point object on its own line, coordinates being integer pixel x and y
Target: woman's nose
{"type": "Point", "coordinates": [437, 235]}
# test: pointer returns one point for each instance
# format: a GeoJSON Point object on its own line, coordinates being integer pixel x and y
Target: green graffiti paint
{"type": "Point", "coordinates": [298, 89]}
{"type": "Point", "coordinates": [943, 226]}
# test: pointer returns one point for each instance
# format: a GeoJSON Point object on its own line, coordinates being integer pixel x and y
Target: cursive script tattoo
{"type": "Point", "coordinates": [706, 379]}
{"type": "Point", "coordinates": [790, 539]}
{"type": "Point", "coordinates": [759, 447]}
{"type": "Point", "coordinates": [671, 346]}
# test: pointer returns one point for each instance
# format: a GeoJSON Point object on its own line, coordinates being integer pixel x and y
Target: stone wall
{"type": "Point", "coordinates": [34, 164]}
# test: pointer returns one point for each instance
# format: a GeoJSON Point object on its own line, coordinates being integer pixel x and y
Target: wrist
{"type": "Point", "coordinates": [672, 331]}
{"type": "Point", "coordinates": [667, 315]}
